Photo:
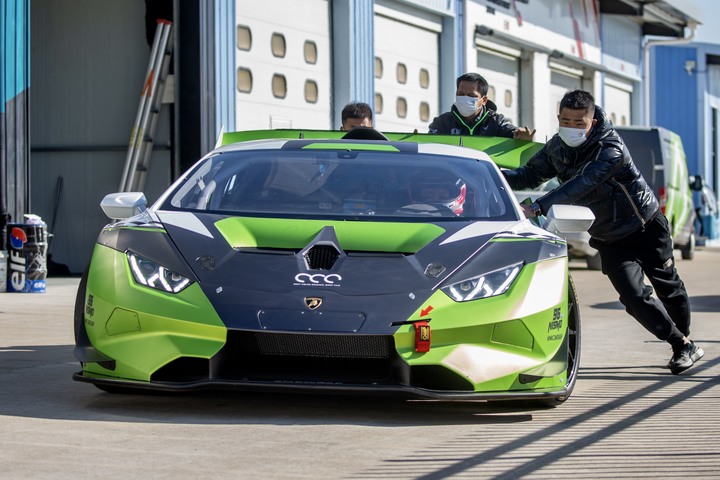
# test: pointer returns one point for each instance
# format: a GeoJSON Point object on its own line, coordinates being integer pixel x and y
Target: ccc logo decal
{"type": "Point", "coordinates": [318, 279]}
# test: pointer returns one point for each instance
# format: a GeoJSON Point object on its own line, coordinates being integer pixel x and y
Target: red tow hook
{"type": "Point", "coordinates": [422, 336]}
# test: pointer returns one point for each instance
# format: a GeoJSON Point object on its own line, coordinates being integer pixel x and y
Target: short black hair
{"type": "Point", "coordinates": [356, 110]}
{"type": "Point", "coordinates": [482, 84]}
{"type": "Point", "coordinates": [578, 100]}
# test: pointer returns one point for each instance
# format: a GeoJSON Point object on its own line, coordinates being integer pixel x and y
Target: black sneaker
{"type": "Point", "coordinates": [685, 358]}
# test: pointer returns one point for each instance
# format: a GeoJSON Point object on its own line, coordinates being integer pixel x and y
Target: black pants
{"type": "Point", "coordinates": [649, 252]}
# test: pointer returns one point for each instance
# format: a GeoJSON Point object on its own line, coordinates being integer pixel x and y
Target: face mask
{"type": "Point", "coordinates": [572, 137]}
{"type": "Point", "coordinates": [466, 105]}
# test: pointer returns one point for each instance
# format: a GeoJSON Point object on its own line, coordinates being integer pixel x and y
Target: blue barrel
{"type": "Point", "coordinates": [27, 257]}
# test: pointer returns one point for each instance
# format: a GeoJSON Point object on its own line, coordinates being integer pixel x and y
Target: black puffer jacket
{"type": "Point", "coordinates": [598, 174]}
{"type": "Point", "coordinates": [488, 123]}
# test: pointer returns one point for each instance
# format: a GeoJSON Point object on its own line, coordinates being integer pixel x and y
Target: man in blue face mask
{"type": "Point", "coordinates": [596, 170]}
{"type": "Point", "coordinates": [474, 114]}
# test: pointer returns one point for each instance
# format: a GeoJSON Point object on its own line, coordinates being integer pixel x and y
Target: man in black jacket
{"type": "Point", "coordinates": [596, 170]}
{"type": "Point", "coordinates": [474, 114]}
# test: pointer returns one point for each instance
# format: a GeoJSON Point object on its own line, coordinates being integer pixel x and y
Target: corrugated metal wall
{"type": "Point", "coordinates": [675, 97]}
{"type": "Point", "coordinates": [89, 61]}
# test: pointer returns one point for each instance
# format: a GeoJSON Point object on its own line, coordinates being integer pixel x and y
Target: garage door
{"type": "Point", "coordinates": [406, 71]}
{"type": "Point", "coordinates": [562, 80]}
{"type": "Point", "coordinates": [618, 100]}
{"type": "Point", "coordinates": [283, 64]}
{"type": "Point", "coordinates": [502, 72]}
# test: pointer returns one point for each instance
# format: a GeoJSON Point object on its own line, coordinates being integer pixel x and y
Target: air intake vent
{"type": "Point", "coordinates": [321, 257]}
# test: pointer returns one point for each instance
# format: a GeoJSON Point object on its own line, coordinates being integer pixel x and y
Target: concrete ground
{"type": "Point", "coordinates": [627, 418]}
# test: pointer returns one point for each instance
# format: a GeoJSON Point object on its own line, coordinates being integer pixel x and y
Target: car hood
{"type": "Point", "coordinates": [276, 255]}
{"type": "Point", "coordinates": [264, 269]}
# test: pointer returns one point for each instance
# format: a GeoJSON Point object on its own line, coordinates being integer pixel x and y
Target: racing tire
{"type": "Point", "coordinates": [573, 360]}
{"type": "Point", "coordinates": [594, 263]}
{"type": "Point", "coordinates": [687, 251]}
{"type": "Point", "coordinates": [79, 311]}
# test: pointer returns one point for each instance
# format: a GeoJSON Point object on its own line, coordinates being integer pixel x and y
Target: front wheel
{"type": "Point", "coordinates": [79, 311]}
{"type": "Point", "coordinates": [687, 251]}
{"type": "Point", "coordinates": [593, 262]}
{"type": "Point", "coordinates": [573, 350]}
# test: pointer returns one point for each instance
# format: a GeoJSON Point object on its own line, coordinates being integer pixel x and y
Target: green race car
{"type": "Point", "coordinates": [301, 261]}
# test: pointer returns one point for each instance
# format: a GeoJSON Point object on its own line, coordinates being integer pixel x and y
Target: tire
{"type": "Point", "coordinates": [79, 312]}
{"type": "Point", "coordinates": [573, 332]}
{"type": "Point", "coordinates": [573, 360]}
{"type": "Point", "coordinates": [594, 263]}
{"type": "Point", "coordinates": [687, 251]}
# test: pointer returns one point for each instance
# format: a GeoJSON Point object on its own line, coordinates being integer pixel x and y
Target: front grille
{"type": "Point", "coordinates": [309, 358]}
{"type": "Point", "coordinates": [307, 345]}
{"type": "Point", "coordinates": [321, 257]}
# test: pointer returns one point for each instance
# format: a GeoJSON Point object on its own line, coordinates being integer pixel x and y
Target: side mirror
{"type": "Point", "coordinates": [696, 183]}
{"type": "Point", "coordinates": [568, 219]}
{"type": "Point", "coordinates": [123, 205]}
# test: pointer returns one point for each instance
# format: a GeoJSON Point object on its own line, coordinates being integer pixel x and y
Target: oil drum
{"type": "Point", "coordinates": [27, 257]}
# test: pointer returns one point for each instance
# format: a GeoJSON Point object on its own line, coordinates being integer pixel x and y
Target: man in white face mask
{"type": "Point", "coordinates": [474, 114]}
{"type": "Point", "coordinates": [630, 232]}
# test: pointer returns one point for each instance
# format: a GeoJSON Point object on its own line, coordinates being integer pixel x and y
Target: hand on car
{"type": "Point", "coordinates": [524, 133]}
{"type": "Point", "coordinates": [529, 213]}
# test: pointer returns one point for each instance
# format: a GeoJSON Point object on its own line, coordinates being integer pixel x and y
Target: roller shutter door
{"type": "Point", "coordinates": [562, 80]}
{"type": "Point", "coordinates": [406, 72]}
{"type": "Point", "coordinates": [283, 64]}
{"type": "Point", "coordinates": [502, 73]}
{"type": "Point", "coordinates": [617, 102]}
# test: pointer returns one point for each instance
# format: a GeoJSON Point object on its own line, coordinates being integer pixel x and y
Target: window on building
{"type": "Point", "coordinates": [244, 80]}
{"type": "Point", "coordinates": [311, 91]}
{"type": "Point", "coordinates": [310, 51]}
{"type": "Point", "coordinates": [508, 98]}
{"type": "Point", "coordinates": [424, 78]}
{"type": "Point", "coordinates": [279, 86]}
{"type": "Point", "coordinates": [244, 38]}
{"type": "Point", "coordinates": [424, 111]}
{"type": "Point", "coordinates": [401, 107]}
{"type": "Point", "coordinates": [378, 103]}
{"type": "Point", "coordinates": [277, 45]}
{"type": "Point", "coordinates": [378, 67]}
{"type": "Point", "coordinates": [491, 93]}
{"type": "Point", "coordinates": [401, 73]}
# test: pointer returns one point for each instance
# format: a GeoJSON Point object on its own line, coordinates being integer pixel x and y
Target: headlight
{"type": "Point", "coordinates": [148, 273]}
{"type": "Point", "coordinates": [483, 286]}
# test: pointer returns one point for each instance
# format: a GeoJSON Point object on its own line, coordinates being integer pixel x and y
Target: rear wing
{"type": "Point", "coordinates": [505, 152]}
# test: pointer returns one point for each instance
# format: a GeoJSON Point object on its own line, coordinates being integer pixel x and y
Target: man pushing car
{"type": "Point", "coordinates": [631, 233]}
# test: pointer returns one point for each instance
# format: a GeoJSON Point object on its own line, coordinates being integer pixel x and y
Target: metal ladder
{"type": "Point", "coordinates": [142, 135]}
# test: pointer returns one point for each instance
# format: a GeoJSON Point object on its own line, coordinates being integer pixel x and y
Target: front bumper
{"type": "Point", "coordinates": [315, 388]}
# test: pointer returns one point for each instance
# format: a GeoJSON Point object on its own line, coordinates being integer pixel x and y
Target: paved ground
{"type": "Point", "coordinates": [628, 417]}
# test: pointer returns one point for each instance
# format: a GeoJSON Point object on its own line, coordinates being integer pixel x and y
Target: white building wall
{"type": "Point", "coordinates": [558, 48]}
{"type": "Point", "coordinates": [571, 26]}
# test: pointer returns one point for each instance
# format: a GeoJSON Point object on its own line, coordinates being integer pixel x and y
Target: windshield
{"type": "Point", "coordinates": [342, 184]}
